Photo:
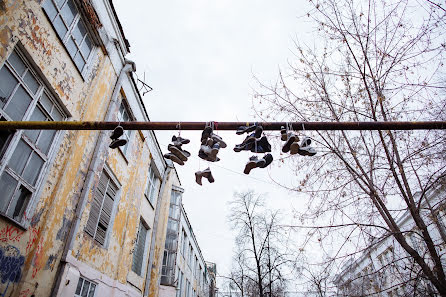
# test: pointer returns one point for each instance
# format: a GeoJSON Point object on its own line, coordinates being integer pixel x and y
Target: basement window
{"type": "Point", "coordinates": [85, 288]}
{"type": "Point", "coordinates": [24, 154]}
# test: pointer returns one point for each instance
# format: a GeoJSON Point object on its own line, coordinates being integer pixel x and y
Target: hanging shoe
{"type": "Point", "coordinates": [198, 176]}
{"type": "Point", "coordinates": [258, 132]}
{"type": "Point", "coordinates": [305, 147]}
{"type": "Point", "coordinates": [253, 163]}
{"type": "Point", "coordinates": [218, 139]}
{"type": "Point", "coordinates": [294, 147]}
{"type": "Point", "coordinates": [173, 158]}
{"type": "Point", "coordinates": [117, 143]}
{"type": "Point", "coordinates": [117, 132]}
{"type": "Point", "coordinates": [208, 174]}
{"type": "Point", "coordinates": [261, 146]}
{"type": "Point", "coordinates": [179, 140]}
{"type": "Point", "coordinates": [283, 134]}
{"type": "Point", "coordinates": [213, 152]}
{"type": "Point", "coordinates": [245, 129]}
{"type": "Point", "coordinates": [206, 133]}
{"type": "Point", "coordinates": [177, 152]}
{"type": "Point", "coordinates": [268, 160]}
{"type": "Point", "coordinates": [291, 138]}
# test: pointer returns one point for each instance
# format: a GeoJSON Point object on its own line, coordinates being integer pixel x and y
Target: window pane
{"type": "Point", "coordinates": [19, 157]}
{"type": "Point", "coordinates": [71, 47]}
{"type": "Point", "coordinates": [5, 136]}
{"type": "Point", "coordinates": [79, 61]}
{"type": "Point", "coordinates": [91, 292]}
{"type": "Point", "coordinates": [86, 47]}
{"type": "Point", "coordinates": [7, 84]}
{"type": "Point", "coordinates": [8, 185]}
{"type": "Point", "coordinates": [85, 288]}
{"type": "Point", "coordinates": [18, 105]}
{"type": "Point", "coordinates": [19, 203]}
{"type": "Point", "coordinates": [57, 116]}
{"type": "Point", "coordinates": [79, 32]}
{"type": "Point", "coordinates": [60, 27]}
{"type": "Point", "coordinates": [68, 12]}
{"type": "Point", "coordinates": [59, 3]}
{"type": "Point", "coordinates": [37, 115]}
{"type": "Point", "coordinates": [31, 82]}
{"type": "Point", "coordinates": [17, 63]}
{"type": "Point", "coordinates": [46, 102]}
{"type": "Point", "coordinates": [49, 9]}
{"type": "Point", "coordinates": [45, 140]}
{"type": "Point", "coordinates": [79, 286]}
{"type": "Point", "coordinates": [33, 168]}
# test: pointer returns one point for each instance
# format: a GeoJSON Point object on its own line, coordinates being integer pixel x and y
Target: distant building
{"type": "Point", "coordinates": [385, 268]}
{"type": "Point", "coordinates": [184, 272]}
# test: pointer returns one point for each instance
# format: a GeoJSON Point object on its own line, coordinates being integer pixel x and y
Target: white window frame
{"type": "Point", "coordinates": [112, 181]}
{"type": "Point", "coordinates": [125, 115]}
{"type": "Point", "coordinates": [143, 264]}
{"type": "Point", "coordinates": [49, 107]}
{"type": "Point", "coordinates": [69, 34]}
{"type": "Point", "coordinates": [83, 279]}
{"type": "Point", "coordinates": [153, 185]}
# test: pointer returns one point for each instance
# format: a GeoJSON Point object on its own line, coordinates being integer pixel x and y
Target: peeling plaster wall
{"type": "Point", "coordinates": [36, 251]}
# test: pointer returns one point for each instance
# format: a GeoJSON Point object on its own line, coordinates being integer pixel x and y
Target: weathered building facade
{"type": "Point", "coordinates": [76, 218]}
{"type": "Point", "coordinates": [184, 271]}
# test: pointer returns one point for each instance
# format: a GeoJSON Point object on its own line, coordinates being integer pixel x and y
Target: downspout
{"type": "Point", "coordinates": [95, 163]}
{"type": "Point", "coordinates": [155, 228]}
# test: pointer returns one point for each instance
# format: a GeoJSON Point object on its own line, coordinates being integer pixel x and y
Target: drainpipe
{"type": "Point", "coordinates": [155, 228]}
{"type": "Point", "coordinates": [95, 164]}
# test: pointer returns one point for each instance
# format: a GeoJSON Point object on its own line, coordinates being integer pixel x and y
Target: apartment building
{"type": "Point", "coordinates": [386, 269]}
{"type": "Point", "coordinates": [184, 272]}
{"type": "Point", "coordinates": [76, 217]}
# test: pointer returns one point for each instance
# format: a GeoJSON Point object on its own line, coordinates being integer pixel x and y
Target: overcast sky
{"type": "Point", "coordinates": [200, 57]}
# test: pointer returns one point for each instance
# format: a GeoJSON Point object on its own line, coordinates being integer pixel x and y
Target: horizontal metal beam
{"type": "Point", "coordinates": [90, 125]}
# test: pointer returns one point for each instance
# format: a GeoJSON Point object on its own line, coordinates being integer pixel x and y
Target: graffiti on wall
{"type": "Point", "coordinates": [10, 234]}
{"type": "Point", "coordinates": [11, 262]}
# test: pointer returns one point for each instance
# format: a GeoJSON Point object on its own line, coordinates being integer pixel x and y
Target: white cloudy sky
{"type": "Point", "coordinates": [200, 56]}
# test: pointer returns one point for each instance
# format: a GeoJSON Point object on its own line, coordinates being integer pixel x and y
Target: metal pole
{"type": "Point", "coordinates": [90, 125]}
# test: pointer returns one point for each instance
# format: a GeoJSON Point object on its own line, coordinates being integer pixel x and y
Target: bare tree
{"type": "Point", "coordinates": [261, 257]}
{"type": "Point", "coordinates": [375, 60]}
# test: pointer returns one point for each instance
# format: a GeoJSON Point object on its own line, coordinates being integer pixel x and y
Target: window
{"type": "Point", "coordinates": [191, 255]}
{"type": "Point", "coordinates": [124, 116]}
{"type": "Point", "coordinates": [140, 248]}
{"type": "Point", "coordinates": [101, 209]}
{"type": "Point", "coordinates": [85, 288]}
{"type": "Point", "coordinates": [67, 22]}
{"type": "Point", "coordinates": [180, 284]}
{"type": "Point", "coordinates": [153, 185]}
{"type": "Point", "coordinates": [23, 153]}
{"type": "Point", "coordinates": [184, 246]}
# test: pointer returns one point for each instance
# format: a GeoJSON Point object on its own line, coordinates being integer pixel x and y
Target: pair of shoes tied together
{"type": "Point", "coordinates": [211, 144]}
{"type": "Point", "coordinates": [177, 154]}
{"type": "Point", "coordinates": [206, 174]}
{"type": "Point", "coordinates": [255, 162]}
{"type": "Point", "coordinates": [115, 137]}
{"type": "Point", "coordinates": [254, 142]}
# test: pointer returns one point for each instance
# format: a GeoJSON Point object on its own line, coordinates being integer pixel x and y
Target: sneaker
{"type": "Point", "coordinates": [177, 152]}
{"type": "Point", "coordinates": [198, 176]}
{"type": "Point", "coordinates": [219, 140]}
{"type": "Point", "coordinates": [253, 163]}
{"type": "Point", "coordinates": [245, 129]}
{"type": "Point", "coordinates": [283, 134]}
{"type": "Point", "coordinates": [173, 158]}
{"type": "Point", "coordinates": [294, 148]}
{"type": "Point", "coordinates": [305, 147]}
{"type": "Point", "coordinates": [258, 132]}
{"type": "Point", "coordinates": [179, 140]}
{"type": "Point", "coordinates": [117, 132]}
{"type": "Point", "coordinates": [261, 146]}
{"type": "Point", "coordinates": [213, 152]}
{"type": "Point", "coordinates": [206, 133]}
{"type": "Point", "coordinates": [244, 147]}
{"type": "Point", "coordinates": [208, 174]}
{"type": "Point", "coordinates": [268, 160]}
{"type": "Point", "coordinates": [290, 140]}
{"type": "Point", "coordinates": [117, 143]}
